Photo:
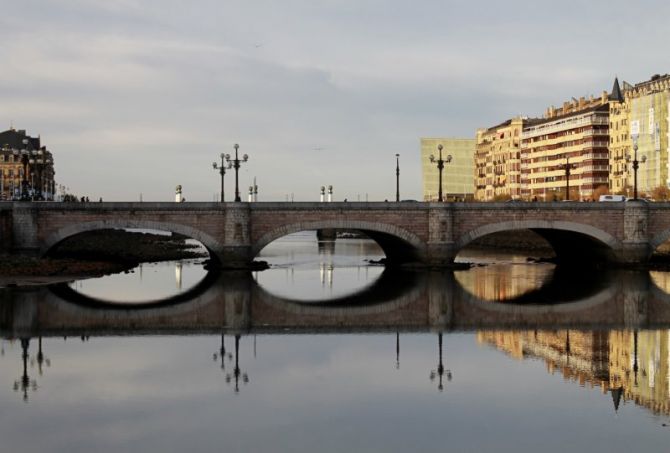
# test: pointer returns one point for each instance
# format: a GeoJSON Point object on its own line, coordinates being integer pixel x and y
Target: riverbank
{"type": "Point", "coordinates": [96, 254]}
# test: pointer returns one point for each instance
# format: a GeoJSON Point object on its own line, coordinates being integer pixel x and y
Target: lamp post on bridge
{"type": "Point", "coordinates": [397, 177]}
{"type": "Point", "coordinates": [567, 166]}
{"type": "Point", "coordinates": [236, 165]}
{"type": "Point", "coordinates": [440, 167]}
{"type": "Point", "coordinates": [636, 165]}
{"type": "Point", "coordinates": [41, 162]}
{"type": "Point", "coordinates": [222, 169]}
{"type": "Point", "coordinates": [25, 160]}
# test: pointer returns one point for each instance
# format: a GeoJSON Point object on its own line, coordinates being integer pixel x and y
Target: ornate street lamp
{"type": "Point", "coordinates": [222, 169]}
{"type": "Point", "coordinates": [567, 166]}
{"type": "Point", "coordinates": [440, 166]}
{"type": "Point", "coordinates": [25, 159]}
{"type": "Point", "coordinates": [440, 367]}
{"type": "Point", "coordinates": [636, 165]}
{"type": "Point", "coordinates": [397, 177]}
{"type": "Point", "coordinates": [236, 165]}
{"type": "Point", "coordinates": [40, 162]}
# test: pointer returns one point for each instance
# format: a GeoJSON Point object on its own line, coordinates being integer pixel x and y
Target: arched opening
{"type": "Point", "coordinates": [315, 265]}
{"type": "Point", "coordinates": [534, 262]}
{"type": "Point", "coordinates": [131, 266]}
{"type": "Point", "coordinates": [659, 250]}
{"type": "Point", "coordinates": [571, 243]}
{"type": "Point", "coordinates": [398, 245]}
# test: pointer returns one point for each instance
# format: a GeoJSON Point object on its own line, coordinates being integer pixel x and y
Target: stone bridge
{"type": "Point", "coordinates": [408, 232]}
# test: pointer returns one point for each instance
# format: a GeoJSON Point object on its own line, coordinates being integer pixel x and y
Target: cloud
{"type": "Point", "coordinates": [154, 81]}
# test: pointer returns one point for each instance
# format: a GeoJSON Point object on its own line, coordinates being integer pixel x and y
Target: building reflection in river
{"type": "Point", "coordinates": [497, 282]}
{"type": "Point", "coordinates": [629, 364]}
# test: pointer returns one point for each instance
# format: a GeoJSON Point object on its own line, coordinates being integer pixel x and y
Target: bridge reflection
{"type": "Point", "coordinates": [600, 335]}
{"type": "Point", "coordinates": [232, 302]}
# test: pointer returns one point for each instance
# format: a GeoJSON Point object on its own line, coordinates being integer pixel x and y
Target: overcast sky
{"type": "Point", "coordinates": [136, 96]}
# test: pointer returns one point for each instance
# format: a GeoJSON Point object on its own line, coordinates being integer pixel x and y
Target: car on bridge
{"type": "Point", "coordinates": [612, 198]}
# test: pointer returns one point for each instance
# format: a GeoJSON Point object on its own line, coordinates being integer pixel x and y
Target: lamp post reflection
{"type": "Point", "coordinates": [237, 373]}
{"type": "Point", "coordinates": [40, 359]}
{"type": "Point", "coordinates": [25, 383]}
{"type": "Point", "coordinates": [222, 354]}
{"type": "Point", "coordinates": [439, 373]}
{"type": "Point", "coordinates": [397, 350]}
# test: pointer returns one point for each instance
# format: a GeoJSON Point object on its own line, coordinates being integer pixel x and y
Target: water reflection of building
{"type": "Point", "coordinates": [503, 282]}
{"type": "Point", "coordinates": [629, 364]}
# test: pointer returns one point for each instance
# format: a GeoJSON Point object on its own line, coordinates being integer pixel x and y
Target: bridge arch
{"type": "Point", "coordinates": [398, 244]}
{"type": "Point", "coordinates": [659, 239]}
{"type": "Point", "coordinates": [570, 240]}
{"type": "Point", "coordinates": [211, 244]}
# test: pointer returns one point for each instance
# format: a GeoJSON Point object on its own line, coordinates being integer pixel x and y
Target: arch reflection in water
{"type": "Point", "coordinates": [146, 282]}
{"type": "Point", "coordinates": [303, 268]}
{"type": "Point", "coordinates": [534, 283]}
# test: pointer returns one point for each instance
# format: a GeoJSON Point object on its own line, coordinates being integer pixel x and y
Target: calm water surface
{"type": "Point", "coordinates": [324, 352]}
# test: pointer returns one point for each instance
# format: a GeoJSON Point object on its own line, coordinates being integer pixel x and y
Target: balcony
{"type": "Point", "coordinates": [565, 124]}
{"type": "Point", "coordinates": [597, 132]}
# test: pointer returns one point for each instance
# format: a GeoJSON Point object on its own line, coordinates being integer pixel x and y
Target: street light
{"type": "Point", "coordinates": [236, 165]}
{"type": "Point", "coordinates": [636, 165]}
{"type": "Point", "coordinates": [440, 166]}
{"type": "Point", "coordinates": [567, 166]}
{"type": "Point", "coordinates": [222, 169]}
{"type": "Point", "coordinates": [397, 177]}
{"type": "Point", "coordinates": [41, 162]}
{"type": "Point", "coordinates": [25, 159]}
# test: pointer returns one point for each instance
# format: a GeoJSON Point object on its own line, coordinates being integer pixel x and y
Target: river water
{"type": "Point", "coordinates": [328, 352]}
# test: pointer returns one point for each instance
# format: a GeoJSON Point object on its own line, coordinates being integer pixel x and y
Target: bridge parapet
{"type": "Point", "coordinates": [430, 233]}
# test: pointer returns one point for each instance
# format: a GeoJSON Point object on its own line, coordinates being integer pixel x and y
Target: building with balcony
{"type": "Point", "coordinates": [649, 125]}
{"type": "Point", "coordinates": [457, 176]}
{"type": "Point", "coordinates": [620, 143]}
{"type": "Point", "coordinates": [498, 160]}
{"type": "Point", "coordinates": [26, 167]}
{"type": "Point", "coordinates": [567, 150]}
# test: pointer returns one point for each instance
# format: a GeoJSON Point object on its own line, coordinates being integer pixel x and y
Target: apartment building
{"type": "Point", "coordinates": [498, 160]}
{"type": "Point", "coordinates": [565, 154]}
